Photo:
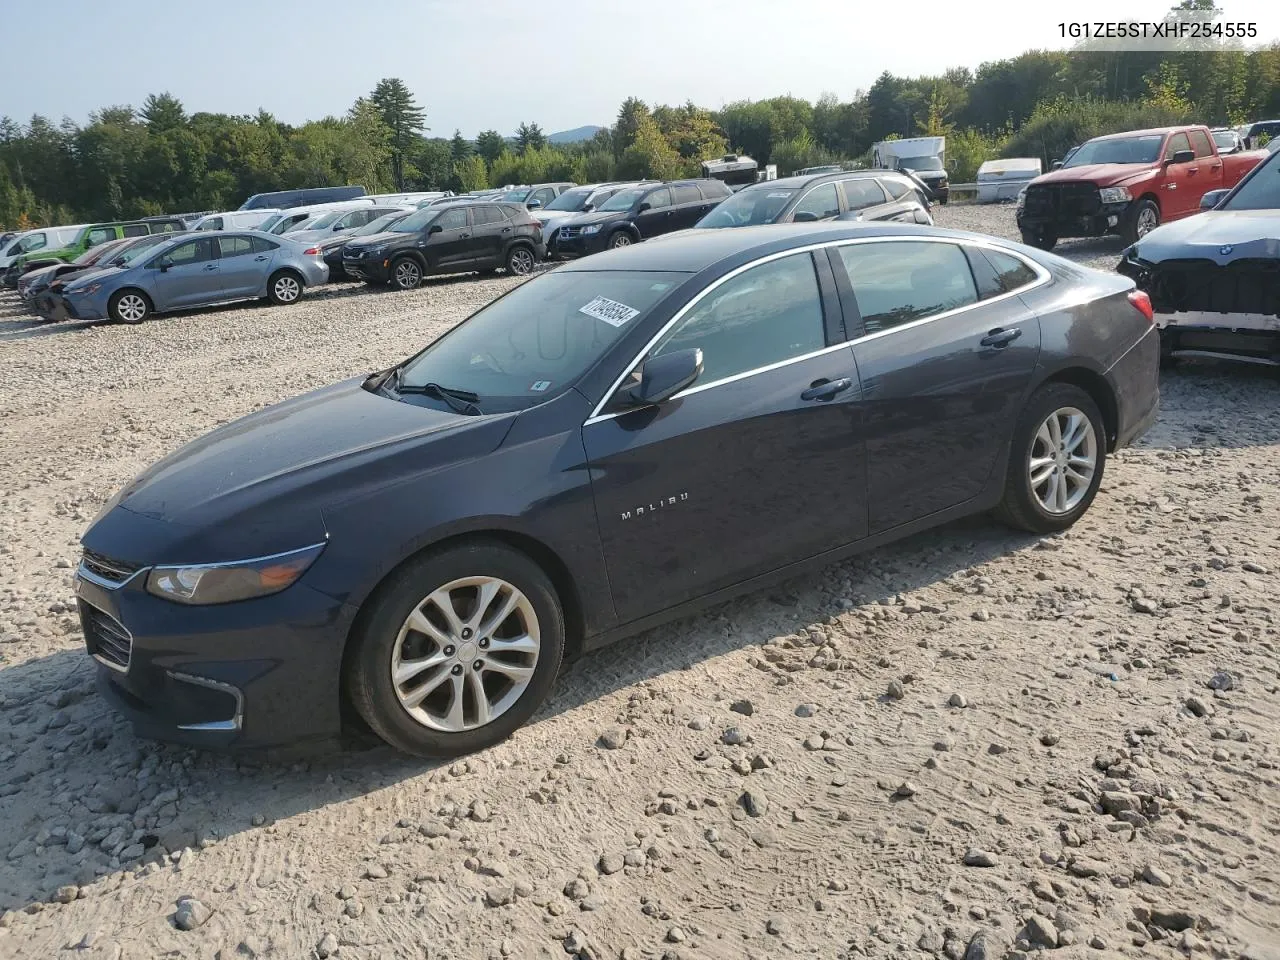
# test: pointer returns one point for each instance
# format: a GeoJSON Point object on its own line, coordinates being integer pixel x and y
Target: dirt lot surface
{"type": "Point", "coordinates": [972, 744]}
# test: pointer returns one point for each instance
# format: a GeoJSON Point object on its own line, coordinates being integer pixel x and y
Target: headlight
{"type": "Point", "coordinates": [227, 582]}
{"type": "Point", "coordinates": [85, 291]}
{"type": "Point", "coordinates": [1114, 194]}
{"type": "Point", "coordinates": [1022, 199]}
{"type": "Point", "coordinates": [591, 228]}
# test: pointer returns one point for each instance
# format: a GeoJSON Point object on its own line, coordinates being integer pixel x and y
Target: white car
{"type": "Point", "coordinates": [280, 222]}
{"type": "Point", "coordinates": [43, 238]}
{"type": "Point", "coordinates": [234, 220]}
{"type": "Point", "coordinates": [337, 223]}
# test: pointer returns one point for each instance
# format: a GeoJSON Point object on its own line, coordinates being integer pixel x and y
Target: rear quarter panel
{"type": "Point", "coordinates": [1236, 165]}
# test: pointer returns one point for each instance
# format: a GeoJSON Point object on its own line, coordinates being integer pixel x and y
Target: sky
{"type": "Point", "coordinates": [481, 64]}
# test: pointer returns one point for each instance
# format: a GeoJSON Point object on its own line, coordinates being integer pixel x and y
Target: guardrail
{"type": "Point", "coordinates": [969, 191]}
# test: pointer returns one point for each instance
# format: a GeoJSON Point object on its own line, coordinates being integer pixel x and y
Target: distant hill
{"type": "Point", "coordinates": [575, 135]}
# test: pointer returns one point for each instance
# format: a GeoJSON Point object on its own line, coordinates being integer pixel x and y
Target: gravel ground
{"type": "Point", "coordinates": [972, 744]}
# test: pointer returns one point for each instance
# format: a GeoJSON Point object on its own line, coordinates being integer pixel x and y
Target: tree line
{"type": "Point", "coordinates": [128, 162]}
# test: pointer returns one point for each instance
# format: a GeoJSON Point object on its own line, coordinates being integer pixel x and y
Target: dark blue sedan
{"type": "Point", "coordinates": [618, 442]}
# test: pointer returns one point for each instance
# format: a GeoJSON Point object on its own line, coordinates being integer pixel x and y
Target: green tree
{"type": "Point", "coordinates": [630, 115]}
{"type": "Point", "coordinates": [529, 136]}
{"type": "Point", "coordinates": [936, 122]}
{"type": "Point", "coordinates": [163, 112]}
{"type": "Point", "coordinates": [472, 174]}
{"type": "Point", "coordinates": [649, 155]}
{"type": "Point", "coordinates": [490, 144]}
{"type": "Point", "coordinates": [403, 117]}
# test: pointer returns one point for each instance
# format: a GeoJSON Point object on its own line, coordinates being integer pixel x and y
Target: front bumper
{"type": "Point", "coordinates": [375, 270]}
{"type": "Point", "coordinates": [578, 244]}
{"type": "Point", "coordinates": [91, 307]}
{"type": "Point", "coordinates": [337, 273]}
{"type": "Point", "coordinates": [1107, 220]}
{"type": "Point", "coordinates": [258, 673]}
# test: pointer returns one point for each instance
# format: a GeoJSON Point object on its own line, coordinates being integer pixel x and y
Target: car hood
{"type": "Point", "coordinates": [597, 216]}
{"type": "Point", "coordinates": [928, 174]}
{"type": "Point", "coordinates": [375, 240]}
{"type": "Point", "coordinates": [1218, 235]}
{"type": "Point", "coordinates": [546, 216]}
{"type": "Point", "coordinates": [93, 275]}
{"type": "Point", "coordinates": [261, 484]}
{"type": "Point", "coordinates": [311, 236]}
{"type": "Point", "coordinates": [1099, 174]}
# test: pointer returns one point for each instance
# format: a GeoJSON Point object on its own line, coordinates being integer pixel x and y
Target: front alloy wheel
{"type": "Point", "coordinates": [130, 307]}
{"type": "Point", "coordinates": [406, 274]}
{"type": "Point", "coordinates": [465, 654]}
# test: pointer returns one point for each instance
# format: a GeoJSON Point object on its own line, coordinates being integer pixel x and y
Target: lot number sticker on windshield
{"type": "Point", "coordinates": [610, 311]}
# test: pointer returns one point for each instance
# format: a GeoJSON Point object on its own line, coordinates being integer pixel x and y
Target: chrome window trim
{"type": "Point", "coordinates": [213, 726]}
{"type": "Point", "coordinates": [1043, 276]}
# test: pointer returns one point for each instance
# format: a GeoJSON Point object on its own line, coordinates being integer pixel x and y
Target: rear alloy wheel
{"type": "Point", "coordinates": [1056, 462]}
{"type": "Point", "coordinates": [129, 306]}
{"type": "Point", "coordinates": [620, 238]}
{"type": "Point", "coordinates": [284, 287]}
{"type": "Point", "coordinates": [457, 650]}
{"type": "Point", "coordinates": [520, 261]}
{"type": "Point", "coordinates": [406, 274]}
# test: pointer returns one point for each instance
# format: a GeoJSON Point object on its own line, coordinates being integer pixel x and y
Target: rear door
{"type": "Point", "coordinates": [760, 463]}
{"type": "Point", "coordinates": [864, 196]}
{"type": "Point", "coordinates": [656, 219]}
{"type": "Point", "coordinates": [489, 231]}
{"type": "Point", "coordinates": [945, 364]}
{"type": "Point", "coordinates": [687, 205]}
{"type": "Point", "coordinates": [1209, 176]}
{"type": "Point", "coordinates": [242, 273]}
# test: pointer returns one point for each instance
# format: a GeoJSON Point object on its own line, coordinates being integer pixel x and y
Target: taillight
{"type": "Point", "coordinates": [1143, 304]}
{"type": "Point", "coordinates": [313, 252]}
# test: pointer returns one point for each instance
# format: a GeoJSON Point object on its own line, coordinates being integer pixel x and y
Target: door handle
{"type": "Point", "coordinates": [826, 389]}
{"type": "Point", "coordinates": [506, 229]}
{"type": "Point", "coordinates": [261, 259]}
{"type": "Point", "coordinates": [1000, 337]}
{"type": "Point", "coordinates": [210, 267]}
{"type": "Point", "coordinates": [464, 236]}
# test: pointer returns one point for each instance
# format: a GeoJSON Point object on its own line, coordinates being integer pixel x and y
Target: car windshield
{"type": "Point", "coordinates": [308, 224]}
{"type": "Point", "coordinates": [920, 163]}
{"type": "Point", "coordinates": [270, 222]}
{"type": "Point", "coordinates": [380, 225]}
{"type": "Point", "coordinates": [622, 200]}
{"type": "Point", "coordinates": [749, 207]}
{"type": "Point", "coordinates": [321, 222]}
{"type": "Point", "coordinates": [571, 201]}
{"type": "Point", "coordinates": [514, 196]}
{"type": "Point", "coordinates": [1224, 139]}
{"type": "Point", "coordinates": [1118, 150]}
{"type": "Point", "coordinates": [135, 250]}
{"type": "Point", "coordinates": [535, 342]}
{"type": "Point", "coordinates": [1261, 191]}
{"type": "Point", "coordinates": [416, 220]}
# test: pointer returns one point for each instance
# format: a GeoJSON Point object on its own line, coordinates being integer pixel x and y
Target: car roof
{"type": "Point", "coordinates": [794, 183]}
{"type": "Point", "coordinates": [1153, 132]}
{"type": "Point", "coordinates": [691, 251]}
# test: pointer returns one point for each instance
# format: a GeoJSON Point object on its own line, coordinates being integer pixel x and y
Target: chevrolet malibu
{"type": "Point", "coordinates": [618, 442]}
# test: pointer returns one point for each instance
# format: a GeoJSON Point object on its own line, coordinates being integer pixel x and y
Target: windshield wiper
{"type": "Point", "coordinates": [459, 401]}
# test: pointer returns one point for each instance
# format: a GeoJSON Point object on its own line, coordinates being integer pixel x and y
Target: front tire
{"type": "Point", "coordinates": [406, 273]}
{"type": "Point", "coordinates": [1056, 460]}
{"type": "Point", "coordinates": [284, 287]}
{"type": "Point", "coordinates": [620, 239]}
{"type": "Point", "coordinates": [129, 306]}
{"type": "Point", "coordinates": [1141, 220]}
{"type": "Point", "coordinates": [1040, 239]}
{"type": "Point", "coordinates": [457, 650]}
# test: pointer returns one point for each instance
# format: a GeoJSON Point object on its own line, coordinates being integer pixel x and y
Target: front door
{"type": "Point", "coordinates": [657, 218]}
{"type": "Point", "coordinates": [759, 464]}
{"type": "Point", "coordinates": [1180, 197]}
{"type": "Point", "coordinates": [450, 246]}
{"type": "Point", "coordinates": [943, 366]}
{"type": "Point", "coordinates": [191, 277]}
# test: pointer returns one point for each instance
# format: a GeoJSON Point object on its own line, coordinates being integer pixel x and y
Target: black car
{"type": "Point", "coordinates": [452, 238]}
{"type": "Point", "coordinates": [333, 248]}
{"type": "Point", "coordinates": [859, 194]}
{"type": "Point", "coordinates": [630, 216]}
{"type": "Point", "coordinates": [615, 443]}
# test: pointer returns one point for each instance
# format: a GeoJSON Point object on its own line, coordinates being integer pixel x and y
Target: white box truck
{"type": "Point", "coordinates": [926, 157]}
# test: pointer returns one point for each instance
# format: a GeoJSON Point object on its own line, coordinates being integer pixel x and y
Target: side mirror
{"type": "Point", "coordinates": [1182, 156]}
{"type": "Point", "coordinates": [164, 263]}
{"type": "Point", "coordinates": [1212, 199]}
{"type": "Point", "coordinates": [804, 216]}
{"type": "Point", "coordinates": [644, 206]}
{"type": "Point", "coordinates": [588, 207]}
{"type": "Point", "coordinates": [534, 204]}
{"type": "Point", "coordinates": [662, 377]}
{"type": "Point", "coordinates": [1056, 165]}
{"type": "Point", "coordinates": [337, 227]}
{"type": "Point", "coordinates": [435, 228]}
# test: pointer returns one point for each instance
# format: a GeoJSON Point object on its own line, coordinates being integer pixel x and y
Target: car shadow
{"type": "Point", "coordinates": [65, 743]}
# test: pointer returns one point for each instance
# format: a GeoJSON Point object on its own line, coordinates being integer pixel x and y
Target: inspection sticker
{"type": "Point", "coordinates": [610, 311]}
{"type": "Point", "coordinates": [539, 386]}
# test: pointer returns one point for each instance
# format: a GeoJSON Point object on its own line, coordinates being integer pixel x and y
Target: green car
{"type": "Point", "coordinates": [95, 234]}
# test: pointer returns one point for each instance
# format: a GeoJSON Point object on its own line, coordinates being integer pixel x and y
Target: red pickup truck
{"type": "Point", "coordinates": [1128, 184]}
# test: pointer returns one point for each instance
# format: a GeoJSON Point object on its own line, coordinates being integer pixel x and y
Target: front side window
{"type": "Point", "coordinates": [536, 341]}
{"type": "Point", "coordinates": [29, 244]}
{"type": "Point", "coordinates": [234, 247]}
{"type": "Point", "coordinates": [898, 282]}
{"type": "Point", "coordinates": [764, 315]}
{"type": "Point", "coordinates": [658, 199]}
{"type": "Point", "coordinates": [820, 203]}
{"type": "Point", "coordinates": [1177, 143]}
{"type": "Point", "coordinates": [213, 223]}
{"type": "Point", "coordinates": [452, 219]}
{"type": "Point", "coordinates": [193, 251]}
{"type": "Point", "coordinates": [544, 196]}
{"type": "Point", "coordinates": [862, 193]}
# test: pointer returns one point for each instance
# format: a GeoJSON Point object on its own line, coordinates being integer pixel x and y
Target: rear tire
{"type": "Point", "coordinates": [406, 273]}
{"type": "Point", "coordinates": [1056, 460]}
{"type": "Point", "coordinates": [520, 261]}
{"type": "Point", "coordinates": [528, 640]}
{"type": "Point", "coordinates": [1040, 239]}
{"type": "Point", "coordinates": [285, 287]}
{"type": "Point", "coordinates": [129, 306]}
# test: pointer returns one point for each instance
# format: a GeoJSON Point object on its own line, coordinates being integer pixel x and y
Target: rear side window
{"type": "Point", "coordinates": [486, 214]}
{"type": "Point", "coordinates": [234, 247]}
{"type": "Point", "coordinates": [1011, 273]}
{"type": "Point", "coordinates": [821, 202]}
{"type": "Point", "coordinates": [861, 193]}
{"type": "Point", "coordinates": [685, 193]}
{"type": "Point", "coordinates": [1200, 143]}
{"type": "Point", "coordinates": [898, 282]}
{"type": "Point", "coordinates": [894, 187]}
{"type": "Point", "coordinates": [714, 189]}
{"type": "Point", "coordinates": [262, 245]}
{"type": "Point", "coordinates": [137, 230]}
